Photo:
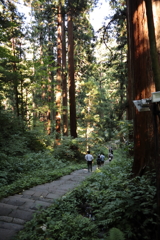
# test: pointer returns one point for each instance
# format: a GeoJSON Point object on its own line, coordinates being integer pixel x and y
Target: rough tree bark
{"type": "Point", "coordinates": [144, 78]}
{"type": "Point", "coordinates": [155, 107]}
{"type": "Point", "coordinates": [140, 85]}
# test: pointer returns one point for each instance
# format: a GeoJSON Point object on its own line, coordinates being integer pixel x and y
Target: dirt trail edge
{"type": "Point", "coordinates": [16, 210]}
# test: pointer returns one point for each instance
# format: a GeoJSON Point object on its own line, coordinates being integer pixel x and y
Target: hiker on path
{"type": "Point", "coordinates": [89, 159]}
{"type": "Point", "coordinates": [102, 157]}
{"type": "Point", "coordinates": [111, 150]}
{"type": "Point", "coordinates": [110, 155]}
{"type": "Point", "coordinates": [99, 161]}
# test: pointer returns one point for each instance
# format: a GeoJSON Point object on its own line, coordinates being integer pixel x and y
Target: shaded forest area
{"type": "Point", "coordinates": [66, 89]}
{"type": "Point", "coordinates": [63, 88]}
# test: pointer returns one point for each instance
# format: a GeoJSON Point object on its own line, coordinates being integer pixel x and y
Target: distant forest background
{"type": "Point", "coordinates": [59, 77]}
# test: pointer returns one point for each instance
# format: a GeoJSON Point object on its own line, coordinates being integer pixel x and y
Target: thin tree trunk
{"type": "Point", "coordinates": [22, 103]}
{"type": "Point", "coordinates": [130, 85]}
{"type": "Point", "coordinates": [64, 80]}
{"type": "Point", "coordinates": [50, 88]}
{"type": "Point", "coordinates": [73, 123]}
{"type": "Point", "coordinates": [15, 82]}
{"type": "Point", "coordinates": [59, 74]}
{"type": "Point", "coordinates": [23, 111]}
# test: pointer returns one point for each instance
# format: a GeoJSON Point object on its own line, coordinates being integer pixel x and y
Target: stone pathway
{"type": "Point", "coordinates": [16, 210]}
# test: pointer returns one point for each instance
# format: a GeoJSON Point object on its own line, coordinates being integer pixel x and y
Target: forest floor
{"type": "Point", "coordinates": [16, 210]}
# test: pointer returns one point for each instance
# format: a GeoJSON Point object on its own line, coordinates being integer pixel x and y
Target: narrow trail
{"type": "Point", "coordinates": [16, 210]}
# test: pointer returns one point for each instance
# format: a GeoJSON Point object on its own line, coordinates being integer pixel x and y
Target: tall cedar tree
{"type": "Point", "coordinates": [64, 80]}
{"type": "Point", "coordinates": [11, 57]}
{"type": "Point", "coordinates": [140, 85]}
{"type": "Point", "coordinates": [45, 67]}
{"type": "Point", "coordinates": [71, 80]}
{"type": "Point", "coordinates": [59, 72]}
{"type": "Point", "coordinates": [155, 106]}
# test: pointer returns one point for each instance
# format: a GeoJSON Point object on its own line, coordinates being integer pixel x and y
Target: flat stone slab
{"type": "Point", "coordinates": [27, 205]}
{"type": "Point", "coordinates": [5, 209]}
{"type": "Point", "coordinates": [19, 221]}
{"type": "Point", "coordinates": [7, 234]}
{"type": "Point", "coordinates": [6, 219]}
{"type": "Point", "coordinates": [14, 226]}
{"type": "Point", "coordinates": [67, 177]}
{"type": "Point", "coordinates": [21, 214]}
{"type": "Point", "coordinates": [15, 201]}
{"type": "Point", "coordinates": [28, 192]}
{"type": "Point", "coordinates": [54, 196]}
{"type": "Point", "coordinates": [81, 171]}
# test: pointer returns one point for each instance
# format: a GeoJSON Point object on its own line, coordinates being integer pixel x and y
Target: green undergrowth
{"type": "Point", "coordinates": [18, 174]}
{"type": "Point", "coordinates": [109, 205]}
{"type": "Point", "coordinates": [29, 157]}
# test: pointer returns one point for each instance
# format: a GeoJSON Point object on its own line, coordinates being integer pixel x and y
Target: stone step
{"type": "Point", "coordinates": [8, 233]}
{"type": "Point", "coordinates": [12, 220]}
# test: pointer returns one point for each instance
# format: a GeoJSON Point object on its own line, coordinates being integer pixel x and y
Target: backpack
{"type": "Point", "coordinates": [110, 156]}
{"type": "Point", "coordinates": [98, 159]}
{"type": "Point", "coordinates": [102, 158]}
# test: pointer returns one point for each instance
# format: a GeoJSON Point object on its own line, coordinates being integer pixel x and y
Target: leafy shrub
{"type": "Point", "coordinates": [34, 142]}
{"type": "Point", "coordinates": [127, 204]}
{"type": "Point", "coordinates": [68, 149]}
{"type": "Point", "coordinates": [15, 139]}
{"type": "Point", "coordinates": [115, 234]}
